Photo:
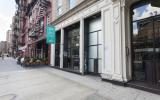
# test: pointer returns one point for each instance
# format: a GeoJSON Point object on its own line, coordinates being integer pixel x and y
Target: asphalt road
{"type": "Point", "coordinates": [9, 64]}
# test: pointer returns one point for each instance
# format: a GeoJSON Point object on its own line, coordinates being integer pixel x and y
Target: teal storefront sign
{"type": "Point", "coordinates": [51, 34]}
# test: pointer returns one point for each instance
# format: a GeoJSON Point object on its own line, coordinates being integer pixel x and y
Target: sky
{"type": "Point", "coordinates": [7, 11]}
{"type": "Point", "coordinates": [143, 12]}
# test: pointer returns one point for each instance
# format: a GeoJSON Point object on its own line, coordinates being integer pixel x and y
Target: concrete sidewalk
{"type": "Point", "coordinates": [18, 83]}
{"type": "Point", "coordinates": [40, 84]}
{"type": "Point", "coordinates": [104, 89]}
{"type": "Point", "coordinates": [51, 84]}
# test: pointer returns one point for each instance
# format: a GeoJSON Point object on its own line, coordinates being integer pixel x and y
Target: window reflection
{"type": "Point", "coordinates": [145, 12]}
{"type": "Point", "coordinates": [145, 40]}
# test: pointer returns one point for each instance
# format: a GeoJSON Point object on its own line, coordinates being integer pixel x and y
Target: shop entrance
{"type": "Point", "coordinates": [94, 44]}
{"type": "Point", "coordinates": [71, 48]}
{"type": "Point", "coordinates": [146, 44]}
{"type": "Point", "coordinates": [57, 49]}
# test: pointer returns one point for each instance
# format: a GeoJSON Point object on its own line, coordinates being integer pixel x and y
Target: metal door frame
{"type": "Point", "coordinates": [155, 72]}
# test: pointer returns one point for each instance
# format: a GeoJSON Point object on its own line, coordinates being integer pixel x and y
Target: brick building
{"type": "Point", "coordinates": [34, 17]}
{"type": "Point", "coordinates": [9, 36]}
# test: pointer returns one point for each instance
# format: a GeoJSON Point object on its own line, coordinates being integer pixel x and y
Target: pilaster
{"type": "Point", "coordinates": [62, 48]}
{"type": "Point", "coordinates": [81, 46]}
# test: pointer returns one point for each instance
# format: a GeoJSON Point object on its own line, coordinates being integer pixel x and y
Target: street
{"type": "Point", "coordinates": [18, 83]}
{"type": "Point", "coordinates": [9, 64]}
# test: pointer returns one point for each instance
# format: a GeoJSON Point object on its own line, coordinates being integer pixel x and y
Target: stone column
{"type": "Point", "coordinates": [52, 62]}
{"type": "Point", "coordinates": [126, 49]}
{"type": "Point", "coordinates": [62, 48]}
{"type": "Point", "coordinates": [81, 51]}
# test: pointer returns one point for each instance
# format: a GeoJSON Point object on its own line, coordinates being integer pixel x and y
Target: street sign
{"type": "Point", "coordinates": [51, 34]}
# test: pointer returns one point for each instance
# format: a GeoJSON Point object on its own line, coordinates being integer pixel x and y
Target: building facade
{"type": "Point", "coordinates": [9, 37]}
{"type": "Point", "coordinates": [117, 39]}
{"type": "Point", "coordinates": [15, 30]}
{"type": "Point", "coordinates": [110, 38]}
{"type": "Point", "coordinates": [34, 16]}
{"type": "Point", "coordinates": [3, 47]}
{"type": "Point", "coordinates": [81, 42]}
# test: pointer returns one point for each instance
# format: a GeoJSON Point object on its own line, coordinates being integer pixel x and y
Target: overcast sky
{"type": "Point", "coordinates": [7, 11]}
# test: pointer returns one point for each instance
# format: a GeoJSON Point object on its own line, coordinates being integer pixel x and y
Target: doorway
{"type": "Point", "coordinates": [57, 49]}
{"type": "Point", "coordinates": [71, 48]}
{"type": "Point", "coordinates": [93, 43]}
{"type": "Point", "coordinates": [146, 44]}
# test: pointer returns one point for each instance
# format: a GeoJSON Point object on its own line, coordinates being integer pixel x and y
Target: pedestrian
{"type": "Point", "coordinates": [2, 56]}
{"type": "Point", "coordinates": [22, 61]}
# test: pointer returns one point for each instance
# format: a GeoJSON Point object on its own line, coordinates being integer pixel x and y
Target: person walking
{"type": "Point", "coordinates": [2, 56]}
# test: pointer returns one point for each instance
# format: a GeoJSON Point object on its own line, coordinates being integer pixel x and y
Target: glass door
{"type": "Point", "coordinates": [95, 46]}
{"type": "Point", "coordinates": [71, 49]}
{"type": "Point", "coordinates": [74, 49]}
{"type": "Point", "coordinates": [143, 50]}
{"type": "Point", "coordinates": [157, 47]}
{"type": "Point", "coordinates": [57, 49]}
{"type": "Point", "coordinates": [146, 44]}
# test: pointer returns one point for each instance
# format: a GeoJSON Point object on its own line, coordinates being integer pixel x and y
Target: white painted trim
{"type": "Point", "coordinates": [107, 70]}
{"type": "Point", "coordinates": [85, 13]}
{"type": "Point", "coordinates": [52, 57]}
{"type": "Point", "coordinates": [62, 48]}
{"type": "Point", "coordinates": [81, 51]}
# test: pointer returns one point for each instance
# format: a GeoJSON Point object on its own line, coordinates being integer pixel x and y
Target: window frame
{"type": "Point", "coordinates": [59, 7]}
{"type": "Point", "coordinates": [71, 6]}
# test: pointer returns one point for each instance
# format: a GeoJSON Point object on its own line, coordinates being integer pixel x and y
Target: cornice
{"type": "Point", "coordinates": [73, 11]}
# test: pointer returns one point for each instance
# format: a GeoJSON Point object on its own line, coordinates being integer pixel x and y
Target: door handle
{"type": "Point", "coordinates": [127, 51]}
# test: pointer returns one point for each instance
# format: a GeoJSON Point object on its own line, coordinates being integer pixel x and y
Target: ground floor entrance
{"type": "Point", "coordinates": [71, 48]}
{"type": "Point", "coordinates": [146, 47]}
{"type": "Point", "coordinates": [93, 44]}
{"type": "Point", "coordinates": [39, 51]}
{"type": "Point", "coordinates": [57, 49]}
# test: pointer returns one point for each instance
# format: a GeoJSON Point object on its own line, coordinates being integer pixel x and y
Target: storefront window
{"type": "Point", "coordinates": [94, 45]}
{"type": "Point", "coordinates": [145, 11]}
{"type": "Point", "coordinates": [146, 43]}
{"type": "Point", "coordinates": [71, 48]}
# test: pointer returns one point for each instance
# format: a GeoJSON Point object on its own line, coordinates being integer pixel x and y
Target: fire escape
{"type": "Point", "coordinates": [37, 24]}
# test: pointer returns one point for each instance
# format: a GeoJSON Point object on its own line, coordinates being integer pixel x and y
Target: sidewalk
{"type": "Point", "coordinates": [47, 83]}
{"type": "Point", "coordinates": [105, 89]}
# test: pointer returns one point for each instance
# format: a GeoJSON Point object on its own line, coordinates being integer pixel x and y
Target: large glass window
{"type": "Point", "coordinates": [72, 3]}
{"type": "Point", "coordinates": [71, 48]}
{"type": "Point", "coordinates": [145, 11]}
{"type": "Point", "coordinates": [146, 43]}
{"type": "Point", "coordinates": [94, 45]}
